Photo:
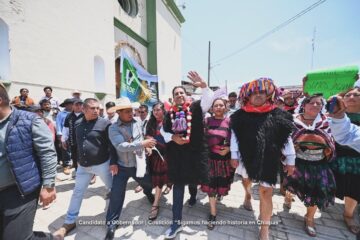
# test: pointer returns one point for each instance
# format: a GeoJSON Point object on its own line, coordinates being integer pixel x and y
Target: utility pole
{"type": "Point", "coordinates": [226, 87]}
{"type": "Point", "coordinates": [313, 49]}
{"type": "Point", "coordinates": [209, 64]}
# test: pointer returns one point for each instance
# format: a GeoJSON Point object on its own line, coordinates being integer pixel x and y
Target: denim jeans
{"type": "Point", "coordinates": [118, 191]}
{"type": "Point", "coordinates": [17, 215]}
{"type": "Point", "coordinates": [178, 200]}
{"type": "Point", "coordinates": [82, 180]}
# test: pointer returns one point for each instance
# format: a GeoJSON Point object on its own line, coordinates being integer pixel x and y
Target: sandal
{"type": "Point", "coordinates": [167, 190]}
{"type": "Point", "coordinates": [154, 213]}
{"type": "Point", "coordinates": [93, 180]}
{"type": "Point", "coordinates": [261, 238]}
{"type": "Point", "coordinates": [247, 205]}
{"type": "Point", "coordinates": [282, 190]}
{"type": "Point", "coordinates": [351, 225]}
{"type": "Point", "coordinates": [287, 201]}
{"type": "Point", "coordinates": [310, 230]}
{"type": "Point", "coordinates": [138, 189]}
{"type": "Point", "coordinates": [211, 222]}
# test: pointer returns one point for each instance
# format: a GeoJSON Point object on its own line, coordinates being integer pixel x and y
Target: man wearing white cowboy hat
{"type": "Point", "coordinates": [127, 138]}
{"type": "Point", "coordinates": [76, 94]}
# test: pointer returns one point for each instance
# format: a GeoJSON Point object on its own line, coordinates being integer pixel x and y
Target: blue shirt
{"type": "Point", "coordinates": [60, 121]}
{"type": "Point", "coordinates": [345, 132]}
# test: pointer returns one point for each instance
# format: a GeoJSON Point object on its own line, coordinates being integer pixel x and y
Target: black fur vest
{"type": "Point", "coordinates": [261, 137]}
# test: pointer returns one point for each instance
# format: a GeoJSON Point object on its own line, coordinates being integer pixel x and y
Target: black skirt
{"type": "Point", "coordinates": [347, 185]}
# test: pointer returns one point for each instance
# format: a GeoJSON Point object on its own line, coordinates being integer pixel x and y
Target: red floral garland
{"type": "Point", "coordinates": [188, 115]}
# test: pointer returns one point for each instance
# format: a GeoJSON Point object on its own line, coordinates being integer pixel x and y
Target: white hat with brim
{"type": "Point", "coordinates": [122, 103]}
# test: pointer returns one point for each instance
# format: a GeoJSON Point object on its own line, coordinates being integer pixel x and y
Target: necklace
{"type": "Point", "coordinates": [181, 117]}
{"type": "Point", "coordinates": [307, 119]}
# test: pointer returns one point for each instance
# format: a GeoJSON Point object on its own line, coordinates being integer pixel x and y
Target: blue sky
{"type": "Point", "coordinates": [285, 56]}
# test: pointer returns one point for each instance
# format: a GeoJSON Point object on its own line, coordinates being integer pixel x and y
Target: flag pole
{"type": "Point", "coordinates": [209, 66]}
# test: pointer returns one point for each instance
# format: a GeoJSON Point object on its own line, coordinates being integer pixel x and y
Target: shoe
{"type": "Point", "coordinates": [247, 205]}
{"type": "Point", "coordinates": [73, 174]}
{"type": "Point", "coordinates": [151, 198]}
{"type": "Point", "coordinates": [310, 230]}
{"type": "Point", "coordinates": [138, 189]}
{"type": "Point", "coordinates": [93, 180]}
{"type": "Point", "coordinates": [192, 201]}
{"type": "Point", "coordinates": [173, 231]}
{"type": "Point", "coordinates": [64, 230]}
{"type": "Point", "coordinates": [154, 213]}
{"type": "Point", "coordinates": [110, 233]}
{"type": "Point", "coordinates": [107, 195]}
{"type": "Point", "coordinates": [288, 200]}
{"type": "Point", "coordinates": [67, 170]}
{"type": "Point", "coordinates": [167, 190]}
{"type": "Point", "coordinates": [46, 207]}
{"type": "Point", "coordinates": [263, 238]}
{"type": "Point", "coordinates": [57, 237]}
{"type": "Point", "coordinates": [351, 225]}
{"type": "Point", "coordinates": [211, 222]}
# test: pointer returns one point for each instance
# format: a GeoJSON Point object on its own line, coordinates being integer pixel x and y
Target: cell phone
{"type": "Point", "coordinates": [330, 105]}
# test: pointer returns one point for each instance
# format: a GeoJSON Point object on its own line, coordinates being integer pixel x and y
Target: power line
{"type": "Point", "coordinates": [277, 28]}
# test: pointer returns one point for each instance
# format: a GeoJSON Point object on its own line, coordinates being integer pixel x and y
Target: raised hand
{"type": "Point", "coordinates": [196, 79]}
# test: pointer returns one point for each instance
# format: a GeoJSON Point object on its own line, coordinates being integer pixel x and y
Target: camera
{"type": "Point", "coordinates": [330, 105]}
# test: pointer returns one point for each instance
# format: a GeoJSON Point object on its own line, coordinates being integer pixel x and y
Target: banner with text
{"type": "Point", "coordinates": [331, 81]}
{"type": "Point", "coordinates": [136, 83]}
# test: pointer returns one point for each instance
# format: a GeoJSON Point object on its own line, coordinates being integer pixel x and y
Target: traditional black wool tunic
{"type": "Point", "coordinates": [261, 137]}
{"type": "Point", "coordinates": [188, 163]}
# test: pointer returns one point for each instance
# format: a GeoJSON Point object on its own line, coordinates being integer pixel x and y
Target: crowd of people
{"type": "Point", "coordinates": [260, 134]}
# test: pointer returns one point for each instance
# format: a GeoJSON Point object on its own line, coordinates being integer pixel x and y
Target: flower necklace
{"type": "Point", "coordinates": [181, 117]}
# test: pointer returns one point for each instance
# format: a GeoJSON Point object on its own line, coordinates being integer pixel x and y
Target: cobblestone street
{"type": "Point", "coordinates": [235, 221]}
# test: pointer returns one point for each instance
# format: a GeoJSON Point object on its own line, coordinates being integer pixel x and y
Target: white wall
{"type": "Point", "coordinates": [54, 43]}
{"type": "Point", "coordinates": [4, 51]}
{"type": "Point", "coordinates": [168, 50]}
{"type": "Point", "coordinates": [138, 23]}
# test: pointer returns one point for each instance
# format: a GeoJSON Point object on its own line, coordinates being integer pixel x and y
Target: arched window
{"type": "Point", "coordinates": [99, 74]}
{"type": "Point", "coordinates": [4, 51]}
{"type": "Point", "coordinates": [130, 7]}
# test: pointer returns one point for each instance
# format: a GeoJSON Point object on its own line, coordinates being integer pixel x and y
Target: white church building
{"type": "Point", "coordinates": [72, 45]}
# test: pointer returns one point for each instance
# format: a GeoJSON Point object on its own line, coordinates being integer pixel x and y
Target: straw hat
{"type": "Point", "coordinates": [122, 103]}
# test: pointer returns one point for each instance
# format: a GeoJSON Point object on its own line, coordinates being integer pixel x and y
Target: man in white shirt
{"type": "Point", "coordinates": [48, 95]}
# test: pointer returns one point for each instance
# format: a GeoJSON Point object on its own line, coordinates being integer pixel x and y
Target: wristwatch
{"type": "Point", "coordinates": [51, 185]}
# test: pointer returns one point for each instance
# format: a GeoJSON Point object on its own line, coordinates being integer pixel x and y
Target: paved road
{"type": "Point", "coordinates": [237, 223]}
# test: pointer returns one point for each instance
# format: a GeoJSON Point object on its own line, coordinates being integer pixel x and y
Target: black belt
{"type": "Point", "coordinates": [318, 162]}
